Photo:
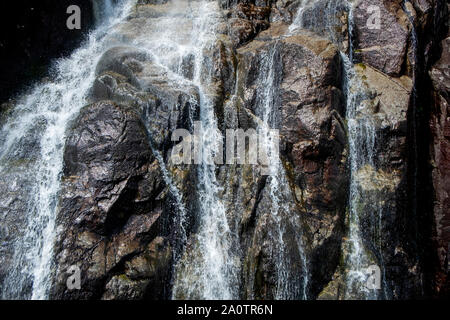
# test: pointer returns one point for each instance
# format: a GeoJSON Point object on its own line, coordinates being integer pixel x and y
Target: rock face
{"type": "Point", "coordinates": [128, 217]}
{"type": "Point", "coordinates": [109, 209]}
{"type": "Point", "coordinates": [105, 197]}
{"type": "Point", "coordinates": [382, 33]}
{"type": "Point", "coordinates": [309, 115]}
{"type": "Point", "coordinates": [440, 149]}
{"type": "Point", "coordinates": [327, 18]}
{"type": "Point", "coordinates": [247, 20]}
{"type": "Point", "coordinates": [115, 211]}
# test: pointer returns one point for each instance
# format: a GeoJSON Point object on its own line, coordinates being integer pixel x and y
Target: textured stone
{"type": "Point", "coordinates": [384, 48]}
{"type": "Point", "coordinates": [313, 145]}
{"type": "Point", "coordinates": [440, 155]}
{"type": "Point", "coordinates": [108, 209]}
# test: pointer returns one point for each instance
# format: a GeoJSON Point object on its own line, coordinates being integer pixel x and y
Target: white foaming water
{"type": "Point", "coordinates": [213, 272]}
{"type": "Point", "coordinates": [361, 137]}
{"type": "Point", "coordinates": [52, 105]}
{"type": "Point", "coordinates": [103, 9]}
{"type": "Point", "coordinates": [183, 33]}
{"type": "Point", "coordinates": [209, 268]}
{"type": "Point", "coordinates": [178, 40]}
{"type": "Point", "coordinates": [297, 23]}
{"type": "Point", "coordinates": [288, 284]}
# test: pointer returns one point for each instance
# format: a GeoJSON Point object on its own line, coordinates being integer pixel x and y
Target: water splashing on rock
{"type": "Point", "coordinates": [32, 148]}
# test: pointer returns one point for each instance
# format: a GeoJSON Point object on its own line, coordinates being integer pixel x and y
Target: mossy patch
{"type": "Point", "coordinates": [361, 65]}
{"type": "Point", "coordinates": [123, 277]}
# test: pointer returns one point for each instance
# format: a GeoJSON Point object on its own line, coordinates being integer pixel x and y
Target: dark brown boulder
{"type": "Point", "coordinates": [109, 210]}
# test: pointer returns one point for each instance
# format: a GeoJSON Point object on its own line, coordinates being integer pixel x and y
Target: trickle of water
{"type": "Point", "coordinates": [289, 284]}
{"type": "Point", "coordinates": [43, 116]}
{"type": "Point", "coordinates": [179, 222]}
{"type": "Point", "coordinates": [361, 136]}
{"type": "Point", "coordinates": [362, 139]}
{"type": "Point", "coordinates": [297, 23]}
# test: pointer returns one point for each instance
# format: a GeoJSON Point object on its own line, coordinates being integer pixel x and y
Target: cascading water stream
{"type": "Point", "coordinates": [103, 9]}
{"type": "Point", "coordinates": [43, 115]}
{"type": "Point", "coordinates": [209, 268]}
{"type": "Point", "coordinates": [178, 43]}
{"type": "Point", "coordinates": [289, 285]}
{"type": "Point", "coordinates": [362, 139]}
{"type": "Point", "coordinates": [323, 20]}
{"type": "Point", "coordinates": [361, 135]}
{"type": "Point", "coordinates": [214, 274]}
{"type": "Point", "coordinates": [297, 23]}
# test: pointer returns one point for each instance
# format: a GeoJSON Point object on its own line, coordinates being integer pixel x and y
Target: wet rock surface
{"type": "Point", "coordinates": [440, 149]}
{"type": "Point", "coordinates": [117, 215]}
{"type": "Point", "coordinates": [312, 138]}
{"type": "Point", "coordinates": [382, 46]}
{"type": "Point", "coordinates": [109, 212]}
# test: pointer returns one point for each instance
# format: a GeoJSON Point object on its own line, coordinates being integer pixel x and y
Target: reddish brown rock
{"type": "Point", "coordinates": [309, 107]}
{"type": "Point", "coordinates": [440, 154]}
{"type": "Point", "coordinates": [247, 20]}
{"type": "Point", "coordinates": [383, 48]}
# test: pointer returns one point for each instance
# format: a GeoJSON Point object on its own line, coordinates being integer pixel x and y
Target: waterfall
{"type": "Point", "coordinates": [213, 274]}
{"type": "Point", "coordinates": [178, 43]}
{"type": "Point", "coordinates": [362, 140]}
{"type": "Point", "coordinates": [39, 121]}
{"type": "Point", "coordinates": [278, 188]}
{"type": "Point", "coordinates": [209, 267]}
{"type": "Point", "coordinates": [180, 40]}
{"type": "Point", "coordinates": [361, 137]}
{"type": "Point", "coordinates": [103, 9]}
{"type": "Point", "coordinates": [362, 147]}
{"type": "Point", "coordinates": [323, 19]}
{"type": "Point", "coordinates": [216, 270]}
{"type": "Point", "coordinates": [297, 23]}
